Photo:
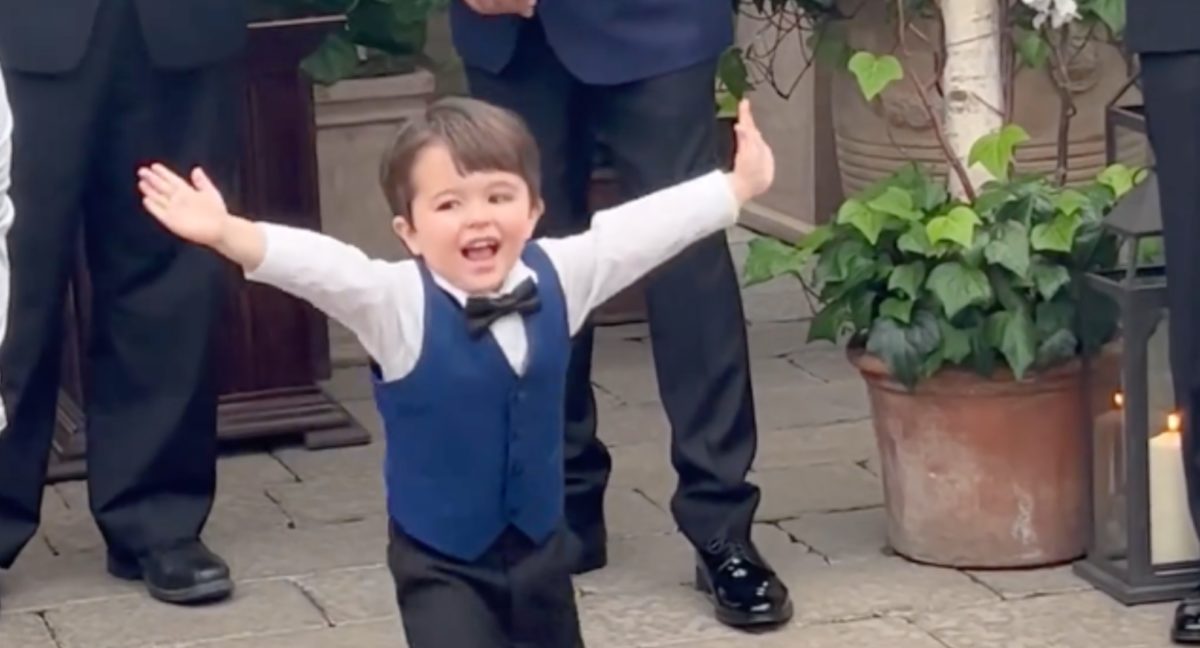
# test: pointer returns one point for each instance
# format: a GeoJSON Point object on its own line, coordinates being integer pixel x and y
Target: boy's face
{"type": "Point", "coordinates": [469, 229]}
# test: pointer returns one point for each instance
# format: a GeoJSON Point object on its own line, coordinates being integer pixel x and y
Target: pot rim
{"type": "Point", "coordinates": [957, 380]}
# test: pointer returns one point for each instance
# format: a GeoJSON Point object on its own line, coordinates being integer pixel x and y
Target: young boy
{"type": "Point", "coordinates": [470, 345]}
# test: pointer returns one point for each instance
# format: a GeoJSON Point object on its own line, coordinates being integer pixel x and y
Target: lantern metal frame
{"type": "Point", "coordinates": [1140, 292]}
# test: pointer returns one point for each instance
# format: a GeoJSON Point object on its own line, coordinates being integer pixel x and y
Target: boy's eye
{"type": "Point", "coordinates": [500, 198]}
{"type": "Point", "coordinates": [447, 205]}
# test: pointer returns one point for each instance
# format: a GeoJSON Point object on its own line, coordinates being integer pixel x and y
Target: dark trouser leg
{"type": "Point", "coordinates": [52, 146]}
{"type": "Point", "coordinates": [537, 87]}
{"type": "Point", "coordinates": [516, 594]}
{"type": "Point", "coordinates": [1171, 86]}
{"type": "Point", "coordinates": [662, 131]}
{"type": "Point", "coordinates": [151, 410]}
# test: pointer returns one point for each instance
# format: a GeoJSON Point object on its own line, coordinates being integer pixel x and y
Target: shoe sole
{"type": "Point", "coordinates": [742, 620]}
{"type": "Point", "coordinates": [1189, 638]}
{"type": "Point", "coordinates": [201, 593]}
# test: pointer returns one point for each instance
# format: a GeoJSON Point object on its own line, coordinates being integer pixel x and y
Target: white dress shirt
{"type": "Point", "coordinates": [6, 216]}
{"type": "Point", "coordinates": [383, 302]}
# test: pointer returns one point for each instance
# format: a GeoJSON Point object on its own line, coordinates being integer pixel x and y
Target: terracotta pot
{"type": "Point", "coordinates": [979, 472]}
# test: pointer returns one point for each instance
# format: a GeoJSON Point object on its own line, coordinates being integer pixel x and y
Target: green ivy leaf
{"type": "Point", "coordinates": [958, 286]}
{"type": "Point", "coordinates": [816, 239]}
{"type": "Point", "coordinates": [874, 73]}
{"type": "Point", "coordinates": [908, 278]}
{"type": "Point", "coordinates": [995, 151]}
{"type": "Point", "coordinates": [1071, 202]}
{"type": "Point", "coordinates": [983, 354]}
{"type": "Point", "coordinates": [842, 260]}
{"type": "Point", "coordinates": [915, 241]}
{"type": "Point", "coordinates": [1117, 177]}
{"type": "Point", "coordinates": [904, 348]}
{"type": "Point", "coordinates": [334, 60]}
{"type": "Point", "coordinates": [897, 309]}
{"type": "Point", "coordinates": [897, 202]}
{"type": "Point", "coordinates": [1056, 236]}
{"type": "Point", "coordinates": [1110, 12]}
{"type": "Point", "coordinates": [827, 323]}
{"type": "Point", "coordinates": [769, 258]}
{"type": "Point", "coordinates": [956, 343]}
{"type": "Point", "coordinates": [1060, 346]}
{"type": "Point", "coordinates": [1009, 248]}
{"type": "Point", "coordinates": [1014, 335]}
{"type": "Point", "coordinates": [1049, 279]}
{"type": "Point", "coordinates": [862, 308]}
{"type": "Point", "coordinates": [957, 227]}
{"type": "Point", "coordinates": [866, 220]}
{"type": "Point", "coordinates": [1052, 317]}
{"type": "Point", "coordinates": [1032, 48]}
{"type": "Point", "coordinates": [732, 72]}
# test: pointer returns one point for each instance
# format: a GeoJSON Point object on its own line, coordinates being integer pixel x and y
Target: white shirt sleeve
{"type": "Point", "coordinates": [381, 302]}
{"type": "Point", "coordinates": [6, 216]}
{"type": "Point", "coordinates": [628, 241]}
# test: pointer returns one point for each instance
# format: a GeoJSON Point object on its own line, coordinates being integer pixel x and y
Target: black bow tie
{"type": "Point", "coordinates": [482, 312]}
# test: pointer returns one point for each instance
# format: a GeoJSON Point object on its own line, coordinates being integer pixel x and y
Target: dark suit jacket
{"type": "Point", "coordinates": [604, 41]}
{"type": "Point", "coordinates": [1162, 25]}
{"type": "Point", "coordinates": [51, 36]}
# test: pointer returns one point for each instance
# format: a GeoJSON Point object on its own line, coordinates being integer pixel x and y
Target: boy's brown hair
{"type": "Point", "coordinates": [479, 137]}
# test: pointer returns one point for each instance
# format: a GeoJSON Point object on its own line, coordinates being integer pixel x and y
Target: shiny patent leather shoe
{"type": "Point", "coordinates": [744, 590]}
{"type": "Point", "coordinates": [1185, 629]}
{"type": "Point", "coordinates": [184, 573]}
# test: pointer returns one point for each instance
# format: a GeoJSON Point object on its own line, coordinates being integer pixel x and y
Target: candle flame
{"type": "Point", "coordinates": [1118, 400]}
{"type": "Point", "coordinates": [1174, 422]}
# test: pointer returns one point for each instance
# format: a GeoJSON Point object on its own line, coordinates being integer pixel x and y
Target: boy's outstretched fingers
{"type": "Point", "coordinates": [745, 117]}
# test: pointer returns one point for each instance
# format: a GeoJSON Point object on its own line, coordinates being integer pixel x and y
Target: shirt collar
{"type": "Point", "coordinates": [520, 272]}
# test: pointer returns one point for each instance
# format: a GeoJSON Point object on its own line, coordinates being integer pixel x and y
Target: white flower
{"type": "Point", "coordinates": [1058, 12]}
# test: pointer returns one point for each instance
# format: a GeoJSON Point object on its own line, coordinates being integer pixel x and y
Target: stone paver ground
{"type": "Point", "coordinates": [305, 534]}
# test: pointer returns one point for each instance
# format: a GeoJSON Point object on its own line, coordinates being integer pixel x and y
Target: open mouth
{"type": "Point", "coordinates": [482, 249]}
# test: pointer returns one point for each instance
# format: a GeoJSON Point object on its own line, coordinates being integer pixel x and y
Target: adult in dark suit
{"type": "Point", "coordinates": [99, 87]}
{"type": "Point", "coordinates": [639, 74]}
{"type": "Point", "coordinates": [1164, 34]}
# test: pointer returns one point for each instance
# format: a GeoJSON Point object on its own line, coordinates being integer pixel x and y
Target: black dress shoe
{"type": "Point", "coordinates": [183, 573]}
{"type": "Point", "coordinates": [1186, 627]}
{"type": "Point", "coordinates": [745, 592]}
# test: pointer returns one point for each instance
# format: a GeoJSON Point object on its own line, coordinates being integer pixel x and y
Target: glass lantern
{"type": "Point", "coordinates": [1142, 546]}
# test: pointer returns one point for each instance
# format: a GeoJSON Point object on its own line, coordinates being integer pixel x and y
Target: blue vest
{"type": "Point", "coordinates": [603, 42]}
{"type": "Point", "coordinates": [471, 446]}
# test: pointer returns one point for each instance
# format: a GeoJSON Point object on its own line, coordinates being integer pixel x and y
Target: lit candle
{"type": "Point", "coordinates": [1172, 536]}
{"type": "Point", "coordinates": [1107, 467]}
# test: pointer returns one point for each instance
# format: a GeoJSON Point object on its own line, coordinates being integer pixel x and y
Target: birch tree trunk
{"type": "Point", "coordinates": [974, 92]}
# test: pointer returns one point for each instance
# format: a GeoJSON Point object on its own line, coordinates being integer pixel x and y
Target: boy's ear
{"type": "Point", "coordinates": [535, 215]}
{"type": "Point", "coordinates": [405, 231]}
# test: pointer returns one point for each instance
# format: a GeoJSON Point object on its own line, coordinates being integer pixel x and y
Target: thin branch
{"type": "Point", "coordinates": [955, 164]}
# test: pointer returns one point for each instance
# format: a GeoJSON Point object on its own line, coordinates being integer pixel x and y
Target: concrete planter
{"type": "Point", "coordinates": [356, 121]}
{"type": "Point", "coordinates": [874, 139]}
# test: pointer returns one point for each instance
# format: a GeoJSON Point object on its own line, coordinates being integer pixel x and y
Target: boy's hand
{"type": "Point", "coordinates": [195, 212]}
{"type": "Point", "coordinates": [497, 7]}
{"type": "Point", "coordinates": [754, 164]}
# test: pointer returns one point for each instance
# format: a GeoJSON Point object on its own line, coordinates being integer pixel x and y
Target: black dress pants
{"type": "Point", "coordinates": [150, 395]}
{"type": "Point", "coordinates": [1171, 87]}
{"type": "Point", "coordinates": [661, 131]}
{"type": "Point", "coordinates": [517, 595]}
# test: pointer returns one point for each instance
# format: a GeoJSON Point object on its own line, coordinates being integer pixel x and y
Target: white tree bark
{"type": "Point", "coordinates": [974, 92]}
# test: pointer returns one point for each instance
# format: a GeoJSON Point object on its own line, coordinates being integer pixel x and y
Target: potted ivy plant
{"type": "Point", "coordinates": [958, 291]}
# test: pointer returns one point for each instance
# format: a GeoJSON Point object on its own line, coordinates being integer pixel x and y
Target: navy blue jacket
{"type": "Point", "coordinates": [603, 42]}
{"type": "Point", "coordinates": [472, 447]}
{"type": "Point", "coordinates": [1163, 26]}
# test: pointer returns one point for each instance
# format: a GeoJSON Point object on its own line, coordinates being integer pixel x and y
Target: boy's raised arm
{"type": "Point", "coordinates": [626, 242]}
{"type": "Point", "coordinates": [335, 277]}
